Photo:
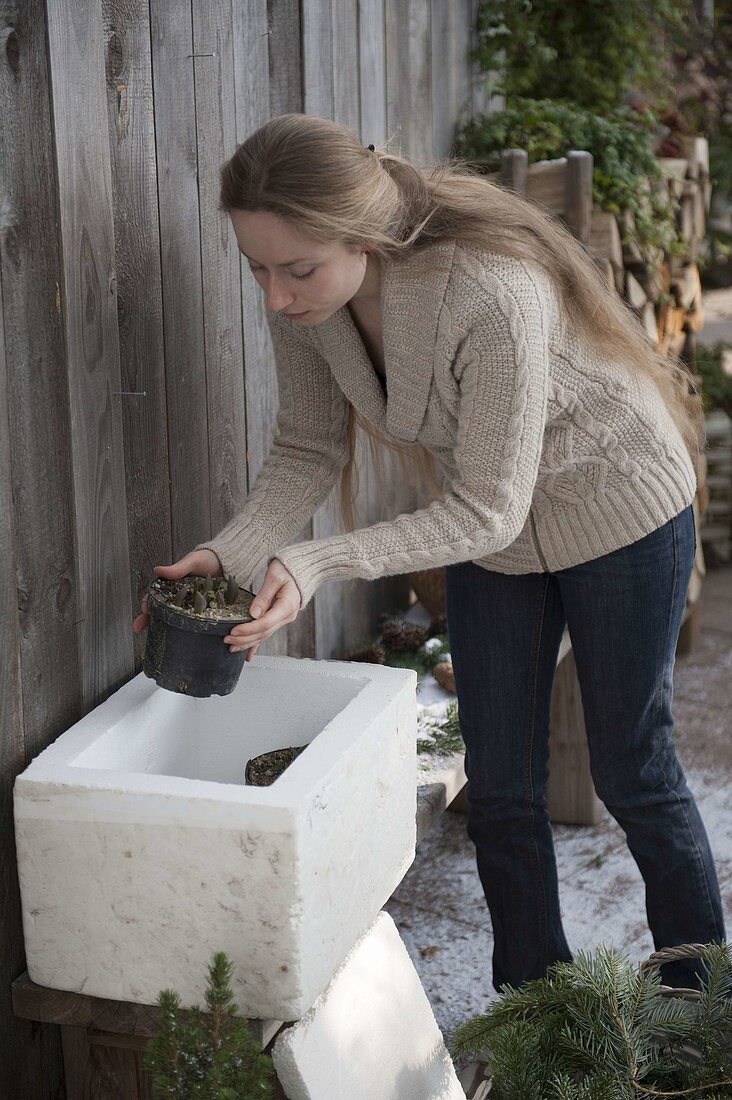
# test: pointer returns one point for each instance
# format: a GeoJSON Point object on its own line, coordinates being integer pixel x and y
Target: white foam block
{"type": "Point", "coordinates": [141, 851]}
{"type": "Point", "coordinates": [371, 1035]}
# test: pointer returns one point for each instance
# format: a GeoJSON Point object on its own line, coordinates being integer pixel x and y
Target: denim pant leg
{"type": "Point", "coordinates": [624, 612]}
{"type": "Point", "coordinates": [504, 634]}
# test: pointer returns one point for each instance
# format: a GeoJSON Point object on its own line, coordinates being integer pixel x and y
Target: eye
{"type": "Point", "coordinates": [307, 274]}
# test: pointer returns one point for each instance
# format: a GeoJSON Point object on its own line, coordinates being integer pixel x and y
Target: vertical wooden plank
{"type": "Point", "coordinates": [76, 59]}
{"type": "Point", "coordinates": [464, 32]}
{"type": "Point", "coordinates": [449, 92]}
{"type": "Point", "coordinates": [98, 1070]}
{"type": "Point", "coordinates": [346, 83]}
{"type": "Point", "coordinates": [39, 666]}
{"type": "Point", "coordinates": [142, 401]}
{"type": "Point", "coordinates": [372, 71]}
{"type": "Point", "coordinates": [388, 592]}
{"type": "Point", "coordinates": [317, 58]}
{"type": "Point", "coordinates": [285, 79]}
{"type": "Point", "coordinates": [514, 169]}
{"type": "Point", "coordinates": [220, 267]}
{"type": "Point", "coordinates": [251, 80]}
{"type": "Point", "coordinates": [578, 200]}
{"type": "Point", "coordinates": [409, 78]}
{"type": "Point", "coordinates": [180, 241]}
{"type": "Point", "coordinates": [318, 49]}
{"type": "Point", "coordinates": [285, 57]}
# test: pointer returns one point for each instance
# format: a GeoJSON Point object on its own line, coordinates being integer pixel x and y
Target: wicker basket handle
{"type": "Point", "coordinates": [672, 954]}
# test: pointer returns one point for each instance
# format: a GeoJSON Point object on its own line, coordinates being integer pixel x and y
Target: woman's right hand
{"type": "Point", "coordinates": [199, 563]}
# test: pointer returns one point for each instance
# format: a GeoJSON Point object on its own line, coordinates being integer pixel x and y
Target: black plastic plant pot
{"type": "Point", "coordinates": [184, 652]}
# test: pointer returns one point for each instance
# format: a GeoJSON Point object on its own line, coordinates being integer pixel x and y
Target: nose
{"type": "Point", "coordinates": [277, 298]}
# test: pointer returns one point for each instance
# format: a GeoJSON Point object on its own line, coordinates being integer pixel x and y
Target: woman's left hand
{"type": "Point", "coordinates": [277, 603]}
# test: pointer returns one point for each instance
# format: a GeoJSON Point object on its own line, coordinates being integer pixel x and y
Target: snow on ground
{"type": "Point", "coordinates": [440, 909]}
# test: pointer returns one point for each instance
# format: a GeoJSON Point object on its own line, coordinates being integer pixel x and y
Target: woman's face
{"type": "Point", "coordinates": [299, 275]}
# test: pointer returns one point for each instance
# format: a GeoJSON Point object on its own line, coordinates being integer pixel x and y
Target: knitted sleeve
{"type": "Point", "coordinates": [308, 450]}
{"type": "Point", "coordinates": [502, 370]}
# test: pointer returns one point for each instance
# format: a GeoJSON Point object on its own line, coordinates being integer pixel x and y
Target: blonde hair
{"type": "Point", "coordinates": [318, 175]}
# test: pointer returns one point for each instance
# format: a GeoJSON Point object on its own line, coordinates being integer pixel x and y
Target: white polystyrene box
{"type": "Point", "coordinates": [141, 851]}
{"type": "Point", "coordinates": [371, 1035]}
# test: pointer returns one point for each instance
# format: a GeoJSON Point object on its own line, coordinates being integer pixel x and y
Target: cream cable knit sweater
{"type": "Point", "coordinates": [551, 455]}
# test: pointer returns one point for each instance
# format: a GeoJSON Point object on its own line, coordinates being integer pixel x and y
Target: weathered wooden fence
{"type": "Point", "coordinates": [137, 388]}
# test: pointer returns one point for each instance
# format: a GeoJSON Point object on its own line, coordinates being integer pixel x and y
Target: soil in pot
{"type": "Point", "coordinates": [185, 651]}
{"type": "Point", "coordinates": [262, 770]}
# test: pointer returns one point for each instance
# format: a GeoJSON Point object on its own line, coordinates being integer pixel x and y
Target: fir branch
{"type": "Point", "coordinates": [594, 1028]}
{"type": "Point", "coordinates": [445, 735]}
{"type": "Point", "coordinates": [197, 1056]}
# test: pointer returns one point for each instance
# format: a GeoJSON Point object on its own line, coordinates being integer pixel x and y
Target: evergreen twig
{"type": "Point", "coordinates": [207, 1056]}
{"type": "Point", "coordinates": [445, 736]}
{"type": "Point", "coordinates": [597, 1029]}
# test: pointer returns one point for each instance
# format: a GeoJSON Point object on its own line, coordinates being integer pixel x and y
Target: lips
{"type": "Point", "coordinates": [297, 314]}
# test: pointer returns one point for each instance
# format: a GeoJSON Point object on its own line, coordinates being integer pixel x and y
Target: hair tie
{"type": "Point", "coordinates": [372, 148]}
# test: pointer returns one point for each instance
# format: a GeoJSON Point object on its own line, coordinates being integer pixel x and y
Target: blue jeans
{"type": "Point", "coordinates": [624, 612]}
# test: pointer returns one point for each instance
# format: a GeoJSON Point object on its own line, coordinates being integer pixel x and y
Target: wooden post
{"type": "Point", "coordinates": [578, 206]}
{"type": "Point", "coordinates": [571, 796]}
{"type": "Point", "coordinates": [514, 169]}
{"type": "Point", "coordinates": [571, 793]}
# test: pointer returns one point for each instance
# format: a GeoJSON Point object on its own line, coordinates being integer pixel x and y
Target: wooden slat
{"type": "Point", "coordinates": [103, 1015]}
{"type": "Point", "coordinates": [278, 79]}
{"type": "Point", "coordinates": [220, 260]}
{"type": "Point", "coordinates": [254, 36]}
{"type": "Point", "coordinates": [97, 1070]}
{"type": "Point", "coordinates": [39, 664]}
{"type": "Point", "coordinates": [409, 78]}
{"type": "Point", "coordinates": [449, 64]}
{"type": "Point", "coordinates": [86, 226]}
{"type": "Point", "coordinates": [131, 124]}
{"type": "Point", "coordinates": [317, 58]}
{"type": "Point", "coordinates": [178, 211]}
{"type": "Point", "coordinates": [514, 169]}
{"type": "Point", "coordinates": [372, 71]}
{"type": "Point", "coordinates": [284, 35]}
{"type": "Point", "coordinates": [345, 53]}
{"type": "Point", "coordinates": [578, 202]}
{"type": "Point", "coordinates": [546, 184]}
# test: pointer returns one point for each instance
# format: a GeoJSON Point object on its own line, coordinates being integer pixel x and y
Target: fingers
{"type": "Point", "coordinates": [266, 596]}
{"type": "Point", "coordinates": [197, 563]}
{"type": "Point", "coordinates": [282, 611]}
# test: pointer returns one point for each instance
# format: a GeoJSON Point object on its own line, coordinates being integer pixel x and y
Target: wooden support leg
{"type": "Point", "coordinates": [571, 793]}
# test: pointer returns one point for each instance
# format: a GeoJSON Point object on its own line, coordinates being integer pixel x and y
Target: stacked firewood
{"type": "Point", "coordinates": [665, 291]}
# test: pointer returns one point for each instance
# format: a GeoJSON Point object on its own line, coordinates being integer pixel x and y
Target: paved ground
{"type": "Point", "coordinates": [717, 316]}
{"type": "Point", "coordinates": [440, 909]}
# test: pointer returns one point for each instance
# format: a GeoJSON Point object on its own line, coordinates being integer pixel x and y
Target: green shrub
{"type": "Point", "coordinates": [620, 145]}
{"type": "Point", "coordinates": [207, 1056]}
{"type": "Point", "coordinates": [592, 54]}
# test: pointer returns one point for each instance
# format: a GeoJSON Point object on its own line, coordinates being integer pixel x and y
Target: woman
{"type": "Point", "coordinates": [456, 322]}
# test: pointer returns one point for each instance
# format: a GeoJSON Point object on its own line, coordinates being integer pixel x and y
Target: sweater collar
{"type": "Point", "coordinates": [412, 292]}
